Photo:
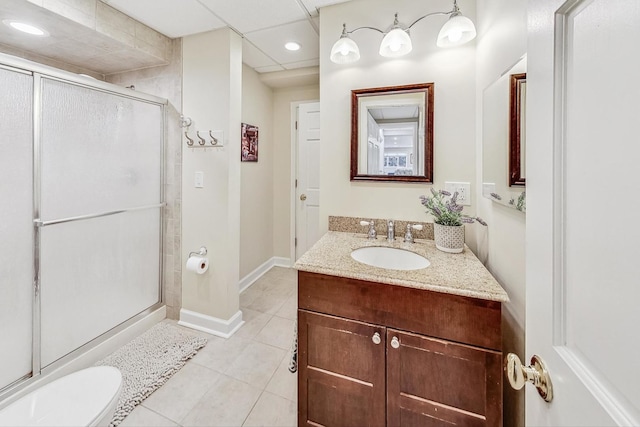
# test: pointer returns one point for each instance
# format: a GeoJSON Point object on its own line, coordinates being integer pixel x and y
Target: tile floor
{"type": "Point", "coordinates": [240, 381]}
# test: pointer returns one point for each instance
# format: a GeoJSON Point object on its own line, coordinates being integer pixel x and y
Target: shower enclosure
{"type": "Point", "coordinates": [81, 193]}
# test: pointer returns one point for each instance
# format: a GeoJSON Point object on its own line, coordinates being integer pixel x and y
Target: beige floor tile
{"type": "Point", "coordinates": [272, 410]}
{"type": "Point", "coordinates": [267, 303]}
{"type": "Point", "coordinates": [143, 417]}
{"type": "Point", "coordinates": [219, 355]}
{"type": "Point", "coordinates": [182, 392]}
{"type": "Point", "coordinates": [289, 309]}
{"type": "Point", "coordinates": [284, 383]}
{"type": "Point", "coordinates": [278, 332]}
{"type": "Point", "coordinates": [227, 403]}
{"type": "Point", "coordinates": [254, 321]}
{"type": "Point", "coordinates": [274, 286]}
{"type": "Point", "coordinates": [249, 295]}
{"type": "Point", "coordinates": [256, 364]}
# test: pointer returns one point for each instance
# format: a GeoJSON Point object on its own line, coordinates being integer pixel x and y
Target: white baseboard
{"type": "Point", "coordinates": [250, 278]}
{"type": "Point", "coordinates": [209, 324]}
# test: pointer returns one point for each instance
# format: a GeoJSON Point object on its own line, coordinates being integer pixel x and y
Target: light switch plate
{"type": "Point", "coordinates": [463, 189]}
{"type": "Point", "coordinates": [198, 180]}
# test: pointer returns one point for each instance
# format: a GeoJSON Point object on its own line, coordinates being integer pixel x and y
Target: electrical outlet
{"type": "Point", "coordinates": [463, 189]}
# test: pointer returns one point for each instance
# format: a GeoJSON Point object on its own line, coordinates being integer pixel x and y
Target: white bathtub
{"type": "Point", "coordinates": [83, 398]}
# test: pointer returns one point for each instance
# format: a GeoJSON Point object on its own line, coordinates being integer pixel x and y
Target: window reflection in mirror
{"type": "Point", "coordinates": [503, 138]}
{"type": "Point", "coordinates": [392, 133]}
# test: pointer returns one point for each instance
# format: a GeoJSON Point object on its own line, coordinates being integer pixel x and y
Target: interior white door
{"type": "Point", "coordinates": [308, 177]}
{"type": "Point", "coordinates": [583, 193]}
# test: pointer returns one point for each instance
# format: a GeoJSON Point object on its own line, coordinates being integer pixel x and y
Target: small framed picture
{"type": "Point", "coordinates": [249, 149]}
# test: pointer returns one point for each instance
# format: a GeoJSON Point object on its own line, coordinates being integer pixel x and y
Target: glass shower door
{"type": "Point", "coordinates": [101, 190]}
{"type": "Point", "coordinates": [16, 226]}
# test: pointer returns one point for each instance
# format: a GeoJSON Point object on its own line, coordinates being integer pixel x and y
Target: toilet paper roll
{"type": "Point", "coordinates": [198, 264]}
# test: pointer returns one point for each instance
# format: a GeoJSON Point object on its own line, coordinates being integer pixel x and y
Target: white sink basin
{"type": "Point", "coordinates": [390, 258]}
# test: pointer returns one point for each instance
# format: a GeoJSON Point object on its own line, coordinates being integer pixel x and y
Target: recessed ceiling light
{"type": "Point", "coordinates": [292, 46]}
{"type": "Point", "coordinates": [25, 28]}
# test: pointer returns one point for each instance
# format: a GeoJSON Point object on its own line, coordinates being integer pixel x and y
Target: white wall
{"type": "Point", "coordinates": [282, 100]}
{"type": "Point", "coordinates": [212, 97]}
{"type": "Point", "coordinates": [257, 190]}
{"type": "Point", "coordinates": [452, 71]}
{"type": "Point", "coordinates": [502, 39]}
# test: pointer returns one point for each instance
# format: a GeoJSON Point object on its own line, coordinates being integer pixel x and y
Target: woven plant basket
{"type": "Point", "coordinates": [449, 238]}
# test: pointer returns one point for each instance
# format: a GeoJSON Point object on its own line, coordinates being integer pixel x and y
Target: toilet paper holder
{"type": "Point", "coordinates": [201, 252]}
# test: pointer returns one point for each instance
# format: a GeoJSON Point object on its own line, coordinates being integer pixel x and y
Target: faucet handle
{"type": "Point", "coordinates": [408, 237]}
{"type": "Point", "coordinates": [371, 234]}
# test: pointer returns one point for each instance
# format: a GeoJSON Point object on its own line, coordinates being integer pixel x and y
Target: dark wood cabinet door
{"type": "Point", "coordinates": [341, 372]}
{"type": "Point", "coordinates": [433, 382]}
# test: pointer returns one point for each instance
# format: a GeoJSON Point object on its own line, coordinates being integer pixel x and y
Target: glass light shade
{"type": "Point", "coordinates": [345, 51]}
{"type": "Point", "coordinates": [456, 31]}
{"type": "Point", "coordinates": [396, 43]}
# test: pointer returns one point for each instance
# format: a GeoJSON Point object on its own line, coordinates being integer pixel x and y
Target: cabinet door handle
{"type": "Point", "coordinates": [376, 338]}
{"type": "Point", "coordinates": [395, 343]}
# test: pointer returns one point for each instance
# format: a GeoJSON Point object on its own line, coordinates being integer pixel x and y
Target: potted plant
{"type": "Point", "coordinates": [448, 227]}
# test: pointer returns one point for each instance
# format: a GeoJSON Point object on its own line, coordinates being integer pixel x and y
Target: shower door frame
{"type": "Point", "coordinates": [38, 72]}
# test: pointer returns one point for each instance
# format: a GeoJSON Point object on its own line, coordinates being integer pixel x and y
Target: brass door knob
{"type": "Point", "coordinates": [303, 197]}
{"type": "Point", "coordinates": [536, 373]}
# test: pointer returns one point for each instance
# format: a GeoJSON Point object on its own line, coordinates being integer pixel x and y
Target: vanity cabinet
{"type": "Point", "coordinates": [371, 354]}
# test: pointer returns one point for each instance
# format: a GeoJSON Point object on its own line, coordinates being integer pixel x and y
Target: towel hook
{"type": "Point", "coordinates": [189, 140]}
{"type": "Point", "coordinates": [201, 139]}
{"type": "Point", "coordinates": [214, 140]}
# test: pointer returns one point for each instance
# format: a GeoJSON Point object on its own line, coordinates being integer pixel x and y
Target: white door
{"type": "Point", "coordinates": [583, 191]}
{"type": "Point", "coordinates": [308, 177]}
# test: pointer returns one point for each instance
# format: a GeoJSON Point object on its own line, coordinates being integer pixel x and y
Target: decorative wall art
{"type": "Point", "coordinates": [249, 150]}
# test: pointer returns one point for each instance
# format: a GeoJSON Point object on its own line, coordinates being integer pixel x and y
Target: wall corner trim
{"type": "Point", "coordinates": [250, 278]}
{"type": "Point", "coordinates": [211, 325]}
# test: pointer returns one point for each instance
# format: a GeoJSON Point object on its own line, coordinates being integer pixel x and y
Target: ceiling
{"type": "Point", "coordinates": [266, 25]}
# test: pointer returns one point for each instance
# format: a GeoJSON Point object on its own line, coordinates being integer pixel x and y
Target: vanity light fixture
{"type": "Point", "coordinates": [456, 31]}
{"type": "Point", "coordinates": [25, 28]}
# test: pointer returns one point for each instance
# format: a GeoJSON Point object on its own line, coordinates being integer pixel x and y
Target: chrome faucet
{"type": "Point", "coordinates": [390, 232]}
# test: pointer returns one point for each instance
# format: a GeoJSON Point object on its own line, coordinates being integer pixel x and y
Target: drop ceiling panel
{"type": "Point", "coordinates": [254, 57]}
{"type": "Point", "coordinates": [272, 41]}
{"type": "Point", "coordinates": [173, 18]}
{"type": "Point", "coordinates": [313, 5]}
{"type": "Point", "coordinates": [269, 69]}
{"type": "Point", "coordinates": [251, 15]}
{"type": "Point", "coordinates": [302, 64]}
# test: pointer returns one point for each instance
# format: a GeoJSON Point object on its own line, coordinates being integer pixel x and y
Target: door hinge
{"type": "Point", "coordinates": [296, 183]}
{"type": "Point", "coordinates": [296, 125]}
{"type": "Point", "coordinates": [295, 241]}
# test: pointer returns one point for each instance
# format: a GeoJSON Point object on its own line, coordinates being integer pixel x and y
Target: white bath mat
{"type": "Point", "coordinates": [148, 361]}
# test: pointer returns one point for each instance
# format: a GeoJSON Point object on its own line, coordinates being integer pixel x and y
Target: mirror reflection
{"type": "Point", "coordinates": [503, 138]}
{"type": "Point", "coordinates": [391, 134]}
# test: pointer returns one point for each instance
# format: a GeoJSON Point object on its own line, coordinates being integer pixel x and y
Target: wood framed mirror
{"type": "Point", "coordinates": [517, 134]}
{"type": "Point", "coordinates": [504, 138]}
{"type": "Point", "coordinates": [392, 133]}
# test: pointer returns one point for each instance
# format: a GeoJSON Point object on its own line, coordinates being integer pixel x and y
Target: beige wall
{"type": "Point", "coordinates": [502, 39]}
{"type": "Point", "coordinates": [452, 71]}
{"type": "Point", "coordinates": [212, 97]}
{"type": "Point", "coordinates": [166, 82]}
{"type": "Point", "coordinates": [282, 103]}
{"type": "Point", "coordinates": [256, 200]}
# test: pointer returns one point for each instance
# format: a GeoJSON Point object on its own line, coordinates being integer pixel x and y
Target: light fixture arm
{"type": "Point", "coordinates": [455, 10]}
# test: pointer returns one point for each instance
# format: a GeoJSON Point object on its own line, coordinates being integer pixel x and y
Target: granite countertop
{"type": "Point", "coordinates": [458, 274]}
